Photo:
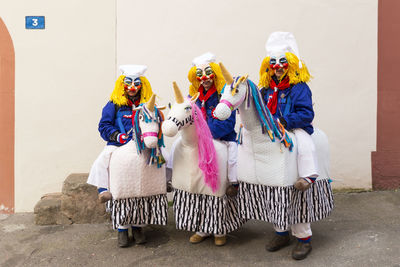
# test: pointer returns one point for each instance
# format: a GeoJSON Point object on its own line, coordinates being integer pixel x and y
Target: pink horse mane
{"type": "Point", "coordinates": [208, 161]}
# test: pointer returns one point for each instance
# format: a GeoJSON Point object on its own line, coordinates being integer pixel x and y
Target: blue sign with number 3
{"type": "Point", "coordinates": [34, 22]}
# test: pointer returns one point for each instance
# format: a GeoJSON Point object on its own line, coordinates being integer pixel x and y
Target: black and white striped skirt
{"type": "Point", "coordinates": [205, 213]}
{"type": "Point", "coordinates": [139, 210]}
{"type": "Point", "coordinates": [284, 206]}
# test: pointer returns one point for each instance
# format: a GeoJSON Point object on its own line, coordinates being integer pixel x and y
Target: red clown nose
{"type": "Point", "coordinates": [275, 66]}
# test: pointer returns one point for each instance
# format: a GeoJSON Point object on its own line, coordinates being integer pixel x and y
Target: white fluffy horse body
{"type": "Point", "coordinates": [187, 175]}
{"type": "Point", "coordinates": [131, 173]}
{"type": "Point", "coordinates": [261, 161]}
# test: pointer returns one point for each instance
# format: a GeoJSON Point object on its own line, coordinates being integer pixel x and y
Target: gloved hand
{"type": "Point", "coordinates": [121, 138]}
{"type": "Point", "coordinates": [283, 122]}
{"type": "Point", "coordinates": [232, 190]}
{"type": "Point", "coordinates": [302, 184]}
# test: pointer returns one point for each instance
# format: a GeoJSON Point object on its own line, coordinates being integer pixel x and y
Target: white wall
{"type": "Point", "coordinates": [64, 75]}
{"type": "Point", "coordinates": [337, 40]}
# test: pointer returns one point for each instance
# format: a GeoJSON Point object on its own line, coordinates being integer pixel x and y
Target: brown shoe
{"type": "Point", "coordinates": [195, 239]}
{"type": "Point", "coordinates": [278, 242]}
{"type": "Point", "coordinates": [302, 184]}
{"type": "Point", "coordinates": [220, 240]}
{"type": "Point", "coordinates": [301, 250]}
{"type": "Point", "coordinates": [138, 235]}
{"type": "Point", "coordinates": [105, 196]}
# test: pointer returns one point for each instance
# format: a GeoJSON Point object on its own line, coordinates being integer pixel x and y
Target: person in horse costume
{"type": "Point", "coordinates": [131, 89]}
{"type": "Point", "coordinates": [200, 174]}
{"type": "Point", "coordinates": [283, 77]}
{"type": "Point", "coordinates": [206, 78]}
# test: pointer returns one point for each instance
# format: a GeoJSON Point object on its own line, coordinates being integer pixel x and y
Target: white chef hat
{"type": "Point", "coordinates": [133, 71]}
{"type": "Point", "coordinates": [205, 58]}
{"type": "Point", "coordinates": [282, 42]}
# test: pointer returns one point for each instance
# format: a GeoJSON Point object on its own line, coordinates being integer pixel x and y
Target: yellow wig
{"type": "Point", "coordinates": [295, 74]}
{"type": "Point", "coordinates": [119, 98]}
{"type": "Point", "coordinates": [219, 80]}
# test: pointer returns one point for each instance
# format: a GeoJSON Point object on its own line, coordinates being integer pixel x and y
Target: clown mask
{"type": "Point", "coordinates": [279, 64]}
{"type": "Point", "coordinates": [132, 86]}
{"type": "Point", "coordinates": [205, 75]}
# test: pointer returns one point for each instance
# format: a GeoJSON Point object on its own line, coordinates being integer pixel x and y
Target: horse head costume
{"type": "Point", "coordinates": [136, 169]}
{"type": "Point", "coordinates": [200, 163]}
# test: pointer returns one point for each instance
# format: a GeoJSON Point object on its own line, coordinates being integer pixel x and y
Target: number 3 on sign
{"type": "Point", "coordinates": [34, 22]}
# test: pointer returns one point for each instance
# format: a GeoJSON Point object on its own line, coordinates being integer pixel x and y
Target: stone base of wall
{"type": "Point", "coordinates": [385, 170]}
{"type": "Point", "coordinates": [77, 203]}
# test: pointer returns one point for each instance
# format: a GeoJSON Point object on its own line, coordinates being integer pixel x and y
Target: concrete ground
{"type": "Point", "coordinates": [364, 230]}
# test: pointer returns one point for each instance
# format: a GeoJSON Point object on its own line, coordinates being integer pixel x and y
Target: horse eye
{"type": "Point", "coordinates": [188, 108]}
{"type": "Point", "coordinates": [141, 117]}
{"type": "Point", "coordinates": [237, 91]}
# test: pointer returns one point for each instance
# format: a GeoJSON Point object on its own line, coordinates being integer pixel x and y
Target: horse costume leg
{"type": "Point", "coordinates": [98, 175]}
{"type": "Point", "coordinates": [306, 159]}
{"type": "Point", "coordinates": [232, 161]}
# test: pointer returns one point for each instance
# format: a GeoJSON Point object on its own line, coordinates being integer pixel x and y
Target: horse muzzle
{"type": "Point", "coordinates": [169, 128]}
{"type": "Point", "coordinates": [150, 139]}
{"type": "Point", "coordinates": [222, 111]}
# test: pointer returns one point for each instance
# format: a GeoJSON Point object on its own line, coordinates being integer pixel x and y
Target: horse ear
{"type": "Point", "coordinates": [241, 80]}
{"type": "Point", "coordinates": [194, 98]}
{"type": "Point", "coordinates": [137, 108]}
{"type": "Point", "coordinates": [161, 107]}
{"type": "Point", "coordinates": [244, 78]}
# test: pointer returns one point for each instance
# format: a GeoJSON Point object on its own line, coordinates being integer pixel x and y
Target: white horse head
{"type": "Point", "coordinates": [240, 91]}
{"type": "Point", "coordinates": [180, 115]}
{"type": "Point", "coordinates": [233, 95]}
{"type": "Point", "coordinates": [147, 123]}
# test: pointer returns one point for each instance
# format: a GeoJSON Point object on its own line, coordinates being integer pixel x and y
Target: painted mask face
{"type": "Point", "coordinates": [132, 85]}
{"type": "Point", "coordinates": [278, 62]}
{"type": "Point", "coordinates": [205, 75]}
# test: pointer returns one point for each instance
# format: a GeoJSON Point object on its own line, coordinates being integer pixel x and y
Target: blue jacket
{"type": "Point", "coordinates": [223, 130]}
{"type": "Point", "coordinates": [294, 105]}
{"type": "Point", "coordinates": [112, 120]}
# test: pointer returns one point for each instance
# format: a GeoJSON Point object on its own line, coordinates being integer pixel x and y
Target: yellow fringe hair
{"type": "Point", "coordinates": [295, 74]}
{"type": "Point", "coordinates": [219, 80]}
{"type": "Point", "coordinates": [119, 98]}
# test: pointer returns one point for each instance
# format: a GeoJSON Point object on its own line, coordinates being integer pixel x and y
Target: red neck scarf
{"type": "Point", "coordinates": [131, 104]}
{"type": "Point", "coordinates": [137, 102]}
{"type": "Point", "coordinates": [273, 101]}
{"type": "Point", "coordinates": [203, 98]}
